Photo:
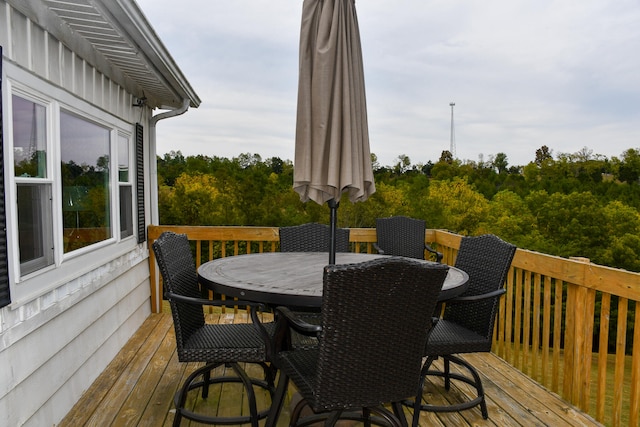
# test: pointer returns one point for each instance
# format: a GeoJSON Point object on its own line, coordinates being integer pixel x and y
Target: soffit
{"type": "Point", "coordinates": [115, 37]}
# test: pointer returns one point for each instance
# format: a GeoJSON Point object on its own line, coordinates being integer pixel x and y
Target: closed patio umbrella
{"type": "Point", "coordinates": [332, 153]}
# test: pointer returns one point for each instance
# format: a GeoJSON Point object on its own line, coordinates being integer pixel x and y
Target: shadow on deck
{"type": "Point", "coordinates": [137, 389]}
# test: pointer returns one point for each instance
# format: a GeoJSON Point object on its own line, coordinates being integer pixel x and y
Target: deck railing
{"type": "Point", "coordinates": [566, 323]}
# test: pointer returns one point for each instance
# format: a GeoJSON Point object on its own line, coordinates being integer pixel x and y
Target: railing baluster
{"type": "Point", "coordinates": [517, 326]}
{"type": "Point", "coordinates": [557, 336]}
{"type": "Point", "coordinates": [535, 339]}
{"type": "Point", "coordinates": [621, 343]}
{"type": "Point", "coordinates": [546, 329]}
{"type": "Point", "coordinates": [526, 327]}
{"type": "Point", "coordinates": [603, 354]}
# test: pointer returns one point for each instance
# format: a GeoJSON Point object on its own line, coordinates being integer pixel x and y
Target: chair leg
{"type": "Point", "coordinates": [391, 418]}
{"type": "Point", "coordinates": [269, 374]}
{"type": "Point", "coordinates": [207, 379]}
{"type": "Point", "coordinates": [417, 402]}
{"type": "Point", "coordinates": [277, 401]}
{"type": "Point", "coordinates": [399, 412]}
{"type": "Point", "coordinates": [366, 415]}
{"type": "Point", "coordinates": [334, 417]}
{"type": "Point", "coordinates": [297, 411]}
{"type": "Point", "coordinates": [474, 381]}
{"type": "Point", "coordinates": [181, 396]}
{"type": "Point", "coordinates": [447, 373]}
{"type": "Point", "coordinates": [251, 395]}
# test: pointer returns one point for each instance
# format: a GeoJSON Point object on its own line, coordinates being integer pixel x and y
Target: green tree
{"type": "Point", "coordinates": [456, 206]}
{"type": "Point", "coordinates": [543, 154]}
{"type": "Point", "coordinates": [500, 163]}
{"type": "Point", "coordinates": [402, 165]}
{"type": "Point", "coordinates": [578, 205]}
{"type": "Point", "coordinates": [629, 170]}
{"type": "Point", "coordinates": [509, 217]}
{"type": "Point", "coordinates": [446, 157]}
{"type": "Point", "coordinates": [197, 200]}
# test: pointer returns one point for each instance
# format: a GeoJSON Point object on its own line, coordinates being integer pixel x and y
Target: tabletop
{"type": "Point", "coordinates": [291, 278]}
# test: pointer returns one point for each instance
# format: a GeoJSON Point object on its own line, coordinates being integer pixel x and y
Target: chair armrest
{"type": "Point", "coordinates": [378, 248]}
{"type": "Point", "coordinates": [287, 320]}
{"type": "Point", "coordinates": [210, 302]}
{"type": "Point", "coordinates": [297, 323]}
{"type": "Point", "coordinates": [255, 309]}
{"type": "Point", "coordinates": [472, 298]}
{"type": "Point", "coordinates": [438, 255]}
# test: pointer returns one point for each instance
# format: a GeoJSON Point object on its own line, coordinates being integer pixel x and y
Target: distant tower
{"type": "Point", "coordinates": [452, 146]}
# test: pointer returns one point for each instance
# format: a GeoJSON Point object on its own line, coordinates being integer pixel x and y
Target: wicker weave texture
{"type": "Point", "coordinates": [401, 236]}
{"type": "Point", "coordinates": [312, 237]}
{"type": "Point", "coordinates": [362, 359]}
{"type": "Point", "coordinates": [197, 341]}
{"type": "Point", "coordinates": [467, 327]}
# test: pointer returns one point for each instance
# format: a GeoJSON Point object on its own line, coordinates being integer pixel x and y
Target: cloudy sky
{"type": "Point", "coordinates": [522, 74]}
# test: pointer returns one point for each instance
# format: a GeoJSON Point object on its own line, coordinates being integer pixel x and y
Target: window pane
{"type": "Point", "coordinates": [123, 158]}
{"type": "Point", "coordinates": [86, 198]}
{"type": "Point", "coordinates": [35, 233]}
{"type": "Point", "coordinates": [126, 208]}
{"type": "Point", "coordinates": [29, 138]}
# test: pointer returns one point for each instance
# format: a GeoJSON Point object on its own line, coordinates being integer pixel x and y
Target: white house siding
{"type": "Point", "coordinates": [54, 345]}
{"type": "Point", "coordinates": [62, 348]}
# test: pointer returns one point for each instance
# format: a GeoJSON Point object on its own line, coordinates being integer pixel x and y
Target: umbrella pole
{"type": "Point", "coordinates": [333, 219]}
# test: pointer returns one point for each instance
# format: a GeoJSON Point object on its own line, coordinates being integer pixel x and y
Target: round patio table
{"type": "Point", "coordinates": [292, 279]}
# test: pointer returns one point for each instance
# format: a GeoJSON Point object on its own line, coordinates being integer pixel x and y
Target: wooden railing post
{"type": "Point", "coordinates": [153, 232]}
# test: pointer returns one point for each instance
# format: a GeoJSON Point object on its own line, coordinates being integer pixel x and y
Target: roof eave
{"type": "Point", "coordinates": [157, 76]}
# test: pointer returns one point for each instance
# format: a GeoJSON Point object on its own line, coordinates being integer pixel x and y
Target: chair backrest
{"type": "Point", "coordinates": [312, 237]}
{"type": "Point", "coordinates": [179, 276]}
{"type": "Point", "coordinates": [401, 236]}
{"type": "Point", "coordinates": [486, 259]}
{"type": "Point", "coordinates": [364, 358]}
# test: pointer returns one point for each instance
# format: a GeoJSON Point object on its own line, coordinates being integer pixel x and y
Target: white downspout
{"type": "Point", "coordinates": [153, 173]}
{"type": "Point", "coordinates": [153, 164]}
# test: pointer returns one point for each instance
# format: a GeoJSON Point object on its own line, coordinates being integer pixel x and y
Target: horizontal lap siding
{"type": "Point", "coordinates": [62, 357]}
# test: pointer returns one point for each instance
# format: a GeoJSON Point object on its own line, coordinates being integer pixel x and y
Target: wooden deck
{"type": "Point", "coordinates": [137, 389]}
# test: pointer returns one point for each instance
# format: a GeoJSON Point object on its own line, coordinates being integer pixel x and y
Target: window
{"type": "Point", "coordinates": [72, 189]}
{"type": "Point", "coordinates": [86, 198]}
{"type": "Point", "coordinates": [33, 185]}
{"type": "Point", "coordinates": [126, 189]}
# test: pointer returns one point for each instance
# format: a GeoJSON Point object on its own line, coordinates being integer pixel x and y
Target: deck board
{"type": "Point", "coordinates": [138, 386]}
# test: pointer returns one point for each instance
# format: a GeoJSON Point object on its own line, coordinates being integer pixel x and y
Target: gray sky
{"type": "Point", "coordinates": [522, 74]}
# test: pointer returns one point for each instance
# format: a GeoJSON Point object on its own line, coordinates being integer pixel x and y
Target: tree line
{"type": "Point", "coordinates": [569, 204]}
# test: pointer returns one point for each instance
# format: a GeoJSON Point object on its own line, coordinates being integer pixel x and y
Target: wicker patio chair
{"type": "Point", "coordinates": [403, 236]}
{"type": "Point", "coordinates": [214, 344]}
{"type": "Point", "coordinates": [467, 323]}
{"type": "Point", "coordinates": [363, 359]}
{"type": "Point", "coordinates": [312, 237]}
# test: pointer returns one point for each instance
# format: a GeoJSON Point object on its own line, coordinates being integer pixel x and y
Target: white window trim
{"type": "Point", "coordinates": [129, 183]}
{"type": "Point", "coordinates": [68, 266]}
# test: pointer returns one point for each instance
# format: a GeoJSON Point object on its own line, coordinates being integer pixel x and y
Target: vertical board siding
{"type": "Point", "coordinates": [19, 38]}
{"type": "Point", "coordinates": [38, 50]}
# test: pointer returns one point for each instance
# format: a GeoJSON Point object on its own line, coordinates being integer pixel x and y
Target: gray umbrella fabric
{"type": "Point", "coordinates": [332, 153]}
